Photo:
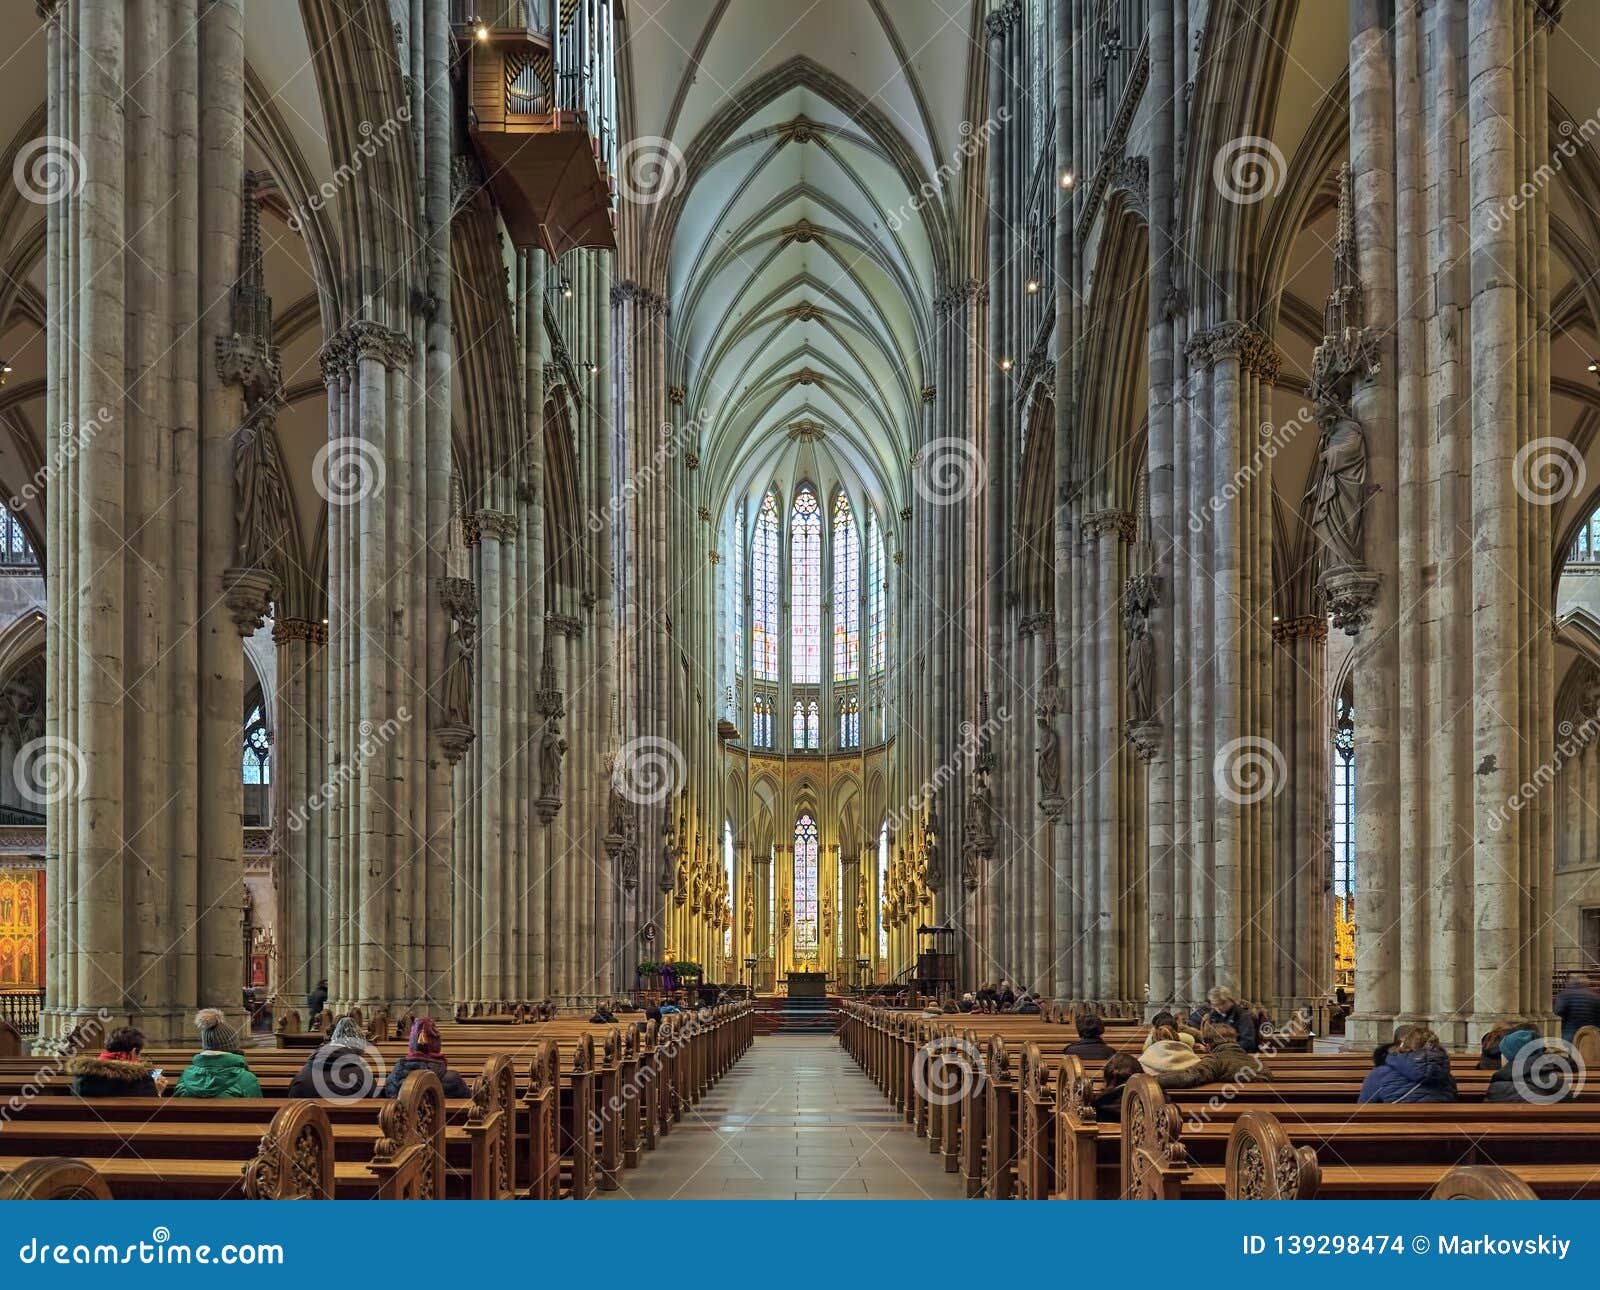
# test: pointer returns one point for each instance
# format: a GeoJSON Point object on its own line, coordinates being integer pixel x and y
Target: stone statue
{"type": "Point", "coordinates": [261, 510]}
{"type": "Point", "coordinates": [1049, 754]}
{"type": "Point", "coordinates": [456, 691]}
{"type": "Point", "coordinates": [1339, 490]}
{"type": "Point", "coordinates": [621, 815]}
{"type": "Point", "coordinates": [749, 912]}
{"type": "Point", "coordinates": [1138, 599]}
{"type": "Point", "coordinates": [1141, 669]}
{"type": "Point", "coordinates": [552, 748]}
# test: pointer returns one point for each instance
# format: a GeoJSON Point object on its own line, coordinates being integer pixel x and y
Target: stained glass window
{"type": "Point", "coordinates": [883, 886]}
{"type": "Point", "coordinates": [761, 722]}
{"type": "Point", "coordinates": [1586, 546]}
{"type": "Point", "coordinates": [805, 886]}
{"type": "Point", "coordinates": [805, 588]}
{"type": "Point", "coordinates": [257, 748]}
{"type": "Point", "coordinates": [798, 739]}
{"type": "Point", "coordinates": [738, 594]}
{"type": "Point", "coordinates": [877, 584]}
{"type": "Point", "coordinates": [764, 582]}
{"type": "Point", "coordinates": [15, 549]}
{"type": "Point", "coordinates": [849, 720]}
{"type": "Point", "coordinates": [727, 861]}
{"type": "Point", "coordinates": [846, 592]}
{"type": "Point", "coordinates": [813, 727]}
{"type": "Point", "coordinates": [1344, 797]}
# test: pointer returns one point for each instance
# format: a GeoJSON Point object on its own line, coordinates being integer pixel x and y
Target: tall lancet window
{"type": "Point", "coordinates": [1344, 839]}
{"type": "Point", "coordinates": [764, 583]}
{"type": "Point", "coordinates": [805, 588]}
{"type": "Point", "coordinates": [805, 887]}
{"type": "Point", "coordinates": [738, 593]}
{"type": "Point", "coordinates": [727, 862]}
{"type": "Point", "coordinates": [846, 592]}
{"type": "Point", "coordinates": [883, 886]}
{"type": "Point", "coordinates": [761, 722]}
{"type": "Point", "coordinates": [877, 587]}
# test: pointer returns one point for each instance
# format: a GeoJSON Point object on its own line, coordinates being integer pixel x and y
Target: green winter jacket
{"type": "Point", "coordinates": [213, 1074]}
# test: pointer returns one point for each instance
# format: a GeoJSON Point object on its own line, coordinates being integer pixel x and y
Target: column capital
{"type": "Point", "coordinates": [1306, 626]}
{"type": "Point", "coordinates": [499, 525]}
{"type": "Point", "coordinates": [1244, 341]}
{"type": "Point", "coordinates": [363, 339]}
{"type": "Point", "coordinates": [1113, 520]}
{"type": "Point", "coordinates": [299, 629]}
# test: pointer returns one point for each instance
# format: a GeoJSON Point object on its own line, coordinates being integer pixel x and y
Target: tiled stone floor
{"type": "Point", "coordinates": [795, 1119]}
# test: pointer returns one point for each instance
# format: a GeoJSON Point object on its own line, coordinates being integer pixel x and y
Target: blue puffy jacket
{"type": "Point", "coordinates": [1420, 1076]}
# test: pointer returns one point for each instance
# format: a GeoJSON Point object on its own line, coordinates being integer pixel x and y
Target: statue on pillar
{"type": "Point", "coordinates": [1048, 754]}
{"type": "Point", "coordinates": [1138, 600]}
{"type": "Point", "coordinates": [552, 749]}
{"type": "Point", "coordinates": [455, 730]}
{"type": "Point", "coordinates": [1339, 490]}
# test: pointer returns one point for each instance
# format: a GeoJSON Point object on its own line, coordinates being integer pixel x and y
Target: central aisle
{"type": "Point", "coordinates": [795, 1119]}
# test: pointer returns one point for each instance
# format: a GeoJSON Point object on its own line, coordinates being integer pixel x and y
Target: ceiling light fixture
{"type": "Point", "coordinates": [1066, 179]}
{"type": "Point", "coordinates": [1594, 365]}
{"type": "Point", "coordinates": [1033, 286]}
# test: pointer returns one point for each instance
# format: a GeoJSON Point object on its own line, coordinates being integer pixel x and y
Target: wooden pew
{"type": "Point", "coordinates": [53, 1178]}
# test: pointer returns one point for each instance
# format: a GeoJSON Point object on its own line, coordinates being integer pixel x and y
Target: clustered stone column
{"type": "Point", "coordinates": [1302, 900]}
{"type": "Point", "coordinates": [1454, 894]}
{"type": "Point", "coordinates": [1220, 710]}
{"type": "Point", "coordinates": [300, 778]}
{"type": "Point", "coordinates": [144, 663]}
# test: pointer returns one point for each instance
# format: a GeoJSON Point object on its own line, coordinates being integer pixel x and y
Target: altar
{"type": "Point", "coordinates": [807, 985]}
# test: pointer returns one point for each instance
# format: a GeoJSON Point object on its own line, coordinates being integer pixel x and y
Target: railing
{"type": "Point", "coordinates": [21, 1009]}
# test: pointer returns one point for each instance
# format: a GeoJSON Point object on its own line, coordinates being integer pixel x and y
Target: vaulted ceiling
{"type": "Point", "coordinates": [817, 163]}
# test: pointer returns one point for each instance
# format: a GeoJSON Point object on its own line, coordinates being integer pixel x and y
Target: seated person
{"type": "Point", "coordinates": [425, 1053]}
{"type": "Point", "coordinates": [1028, 1004]}
{"type": "Point", "coordinates": [1166, 1054]}
{"type": "Point", "coordinates": [669, 1007]}
{"type": "Point", "coordinates": [119, 1071]}
{"type": "Point", "coordinates": [1415, 1069]}
{"type": "Point", "coordinates": [968, 1002]}
{"type": "Point", "coordinates": [1163, 1018]}
{"type": "Point", "coordinates": [603, 1016]}
{"type": "Point", "coordinates": [1114, 1076]}
{"type": "Point", "coordinates": [1544, 1074]}
{"type": "Point", "coordinates": [218, 1069]}
{"type": "Point", "coordinates": [1489, 1051]}
{"type": "Point", "coordinates": [1222, 1008]}
{"type": "Point", "coordinates": [1007, 998]}
{"type": "Point", "coordinates": [1225, 1062]}
{"type": "Point", "coordinates": [340, 1068]}
{"type": "Point", "coordinates": [1090, 1045]}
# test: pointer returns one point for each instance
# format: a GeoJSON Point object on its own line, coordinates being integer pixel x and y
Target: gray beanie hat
{"type": "Point", "coordinates": [215, 1033]}
{"type": "Point", "coordinates": [347, 1033]}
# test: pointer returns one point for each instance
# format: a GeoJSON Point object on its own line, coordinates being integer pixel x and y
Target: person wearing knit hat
{"type": "Point", "coordinates": [342, 1069]}
{"type": "Point", "coordinates": [218, 1069]}
{"type": "Point", "coordinates": [426, 1052]}
{"type": "Point", "coordinates": [1535, 1070]}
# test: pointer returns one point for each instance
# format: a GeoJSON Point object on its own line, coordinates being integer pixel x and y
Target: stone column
{"type": "Point", "coordinates": [142, 654]}
{"type": "Point", "coordinates": [1302, 948]}
{"type": "Point", "coordinates": [300, 787]}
